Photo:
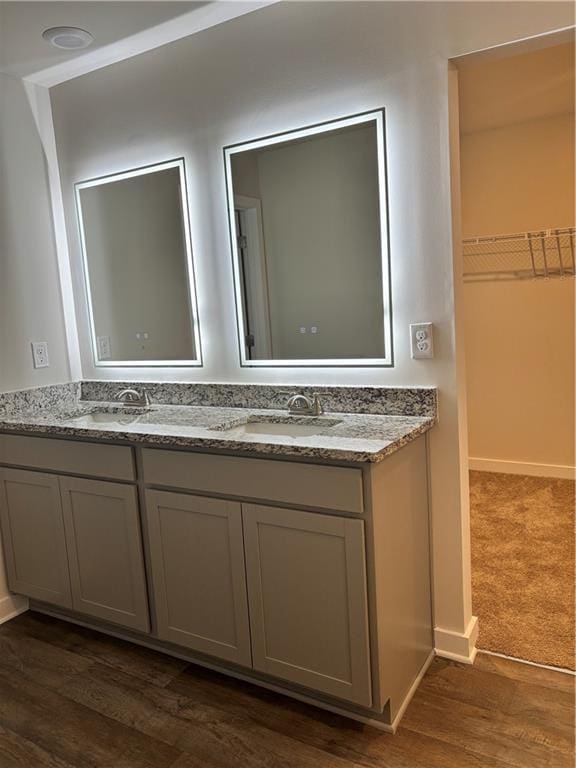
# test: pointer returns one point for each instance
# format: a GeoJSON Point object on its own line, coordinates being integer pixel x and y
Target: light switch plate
{"type": "Point", "coordinates": [421, 340]}
{"type": "Point", "coordinates": [40, 354]}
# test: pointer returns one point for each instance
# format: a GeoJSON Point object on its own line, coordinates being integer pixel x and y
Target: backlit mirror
{"type": "Point", "coordinates": [138, 267]}
{"type": "Point", "coordinates": [309, 232]}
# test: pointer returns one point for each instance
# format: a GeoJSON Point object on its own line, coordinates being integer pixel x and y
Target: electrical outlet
{"type": "Point", "coordinates": [40, 354]}
{"type": "Point", "coordinates": [104, 348]}
{"type": "Point", "coordinates": [421, 340]}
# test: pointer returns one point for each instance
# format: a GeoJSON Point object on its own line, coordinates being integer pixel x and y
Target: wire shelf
{"type": "Point", "coordinates": [543, 254]}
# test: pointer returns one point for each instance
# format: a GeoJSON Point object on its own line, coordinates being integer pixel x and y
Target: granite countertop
{"type": "Point", "coordinates": [344, 437]}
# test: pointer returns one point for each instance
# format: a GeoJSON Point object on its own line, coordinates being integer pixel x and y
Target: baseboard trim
{"type": "Point", "coordinates": [457, 646]}
{"type": "Point", "coordinates": [560, 471]}
{"type": "Point", "coordinates": [470, 659]}
{"type": "Point", "coordinates": [12, 606]}
{"type": "Point", "coordinates": [562, 670]}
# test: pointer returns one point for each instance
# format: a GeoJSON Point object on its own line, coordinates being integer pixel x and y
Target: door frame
{"type": "Point", "coordinates": [256, 289]}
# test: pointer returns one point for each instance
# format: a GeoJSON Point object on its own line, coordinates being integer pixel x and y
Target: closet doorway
{"type": "Point", "coordinates": [516, 107]}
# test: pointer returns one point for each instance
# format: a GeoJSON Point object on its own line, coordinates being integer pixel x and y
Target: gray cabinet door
{"type": "Point", "coordinates": [33, 536]}
{"type": "Point", "coordinates": [199, 575]}
{"type": "Point", "coordinates": [307, 594]}
{"type": "Point", "coordinates": [102, 526]}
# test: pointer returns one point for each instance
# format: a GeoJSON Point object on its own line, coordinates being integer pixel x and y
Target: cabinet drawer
{"type": "Point", "coordinates": [309, 485]}
{"type": "Point", "coordinates": [114, 462]}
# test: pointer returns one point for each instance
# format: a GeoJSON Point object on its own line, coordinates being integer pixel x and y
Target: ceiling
{"type": "Point", "coordinates": [23, 50]}
{"type": "Point", "coordinates": [522, 87]}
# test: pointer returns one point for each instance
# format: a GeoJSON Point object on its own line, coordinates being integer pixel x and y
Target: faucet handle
{"type": "Point", "coordinates": [125, 394]}
{"type": "Point", "coordinates": [317, 404]}
{"type": "Point", "coordinates": [313, 401]}
{"type": "Point", "coordinates": [133, 397]}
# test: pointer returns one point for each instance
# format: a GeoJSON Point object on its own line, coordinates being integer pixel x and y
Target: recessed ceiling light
{"type": "Point", "coordinates": [68, 38]}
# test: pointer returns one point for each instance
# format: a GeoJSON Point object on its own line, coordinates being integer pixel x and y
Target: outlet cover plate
{"type": "Point", "coordinates": [421, 341]}
{"type": "Point", "coordinates": [40, 354]}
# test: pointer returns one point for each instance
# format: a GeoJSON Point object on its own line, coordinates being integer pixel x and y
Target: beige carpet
{"type": "Point", "coordinates": [523, 566]}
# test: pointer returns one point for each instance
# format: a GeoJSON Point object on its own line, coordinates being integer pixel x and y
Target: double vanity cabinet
{"type": "Point", "coordinates": [311, 578]}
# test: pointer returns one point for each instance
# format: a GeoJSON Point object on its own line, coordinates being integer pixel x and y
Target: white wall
{"type": "Point", "coordinates": [518, 175]}
{"type": "Point", "coordinates": [30, 301]}
{"type": "Point", "coordinates": [245, 174]}
{"type": "Point", "coordinates": [284, 67]}
{"type": "Point", "coordinates": [520, 370]}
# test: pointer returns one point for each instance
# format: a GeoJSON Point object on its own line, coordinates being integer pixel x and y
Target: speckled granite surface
{"type": "Point", "coordinates": [337, 436]}
{"type": "Point", "coordinates": [40, 398]}
{"type": "Point", "coordinates": [390, 401]}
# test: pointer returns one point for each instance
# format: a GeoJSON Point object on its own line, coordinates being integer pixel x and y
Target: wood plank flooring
{"type": "Point", "coordinates": [73, 698]}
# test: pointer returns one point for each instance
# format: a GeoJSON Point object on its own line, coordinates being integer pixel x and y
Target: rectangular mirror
{"type": "Point", "coordinates": [309, 234]}
{"type": "Point", "coordinates": [138, 268]}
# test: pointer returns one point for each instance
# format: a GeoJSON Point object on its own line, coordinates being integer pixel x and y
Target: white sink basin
{"type": "Point", "coordinates": [287, 428]}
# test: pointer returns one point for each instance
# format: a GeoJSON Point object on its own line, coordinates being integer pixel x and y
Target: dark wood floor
{"type": "Point", "coordinates": [70, 697]}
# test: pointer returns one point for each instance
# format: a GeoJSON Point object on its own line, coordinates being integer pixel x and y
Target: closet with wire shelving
{"type": "Point", "coordinates": [540, 254]}
{"type": "Point", "coordinates": [517, 163]}
{"type": "Point", "coordinates": [518, 247]}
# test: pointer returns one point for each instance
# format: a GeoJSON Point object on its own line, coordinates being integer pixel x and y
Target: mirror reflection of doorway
{"type": "Point", "coordinates": [253, 276]}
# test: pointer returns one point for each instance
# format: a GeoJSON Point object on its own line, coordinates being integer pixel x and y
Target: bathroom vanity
{"type": "Point", "coordinates": [204, 519]}
{"type": "Point", "coordinates": [298, 561]}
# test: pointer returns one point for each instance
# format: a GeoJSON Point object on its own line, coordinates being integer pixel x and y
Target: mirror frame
{"type": "Point", "coordinates": [192, 297]}
{"type": "Point", "coordinates": [377, 116]}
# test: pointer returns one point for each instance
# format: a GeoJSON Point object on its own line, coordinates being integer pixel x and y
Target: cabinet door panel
{"type": "Point", "coordinates": [105, 551]}
{"type": "Point", "coordinates": [199, 575]}
{"type": "Point", "coordinates": [307, 595]}
{"type": "Point", "coordinates": [33, 535]}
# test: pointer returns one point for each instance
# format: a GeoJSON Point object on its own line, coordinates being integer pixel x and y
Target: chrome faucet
{"type": "Point", "coordinates": [302, 405]}
{"type": "Point", "coordinates": [133, 397]}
